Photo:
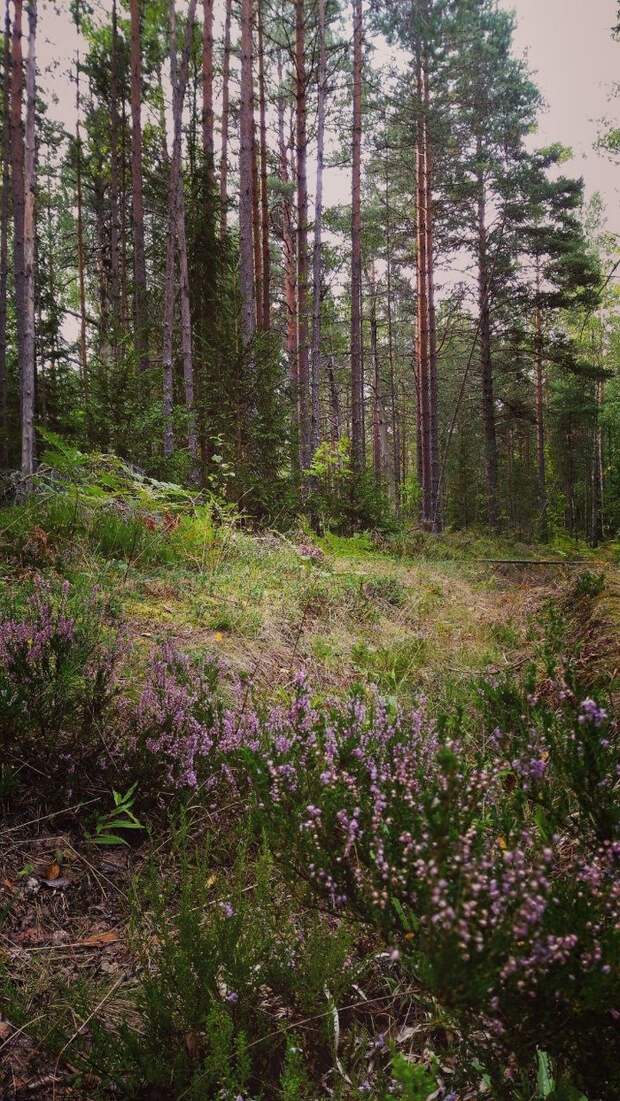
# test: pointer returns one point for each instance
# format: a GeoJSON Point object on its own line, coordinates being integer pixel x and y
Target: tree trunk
{"type": "Point", "coordinates": [137, 208]}
{"type": "Point", "coordinates": [17, 176]}
{"type": "Point", "coordinates": [303, 369]}
{"type": "Point", "coordinates": [167, 354]}
{"type": "Point", "coordinates": [256, 215]}
{"type": "Point", "coordinates": [334, 403]}
{"type": "Point", "coordinates": [378, 420]}
{"type": "Point", "coordinates": [596, 523]}
{"type": "Point", "coordinates": [422, 328]}
{"type": "Point", "coordinates": [390, 334]}
{"type": "Point", "coordinates": [289, 260]}
{"type": "Point", "coordinates": [486, 363]}
{"type": "Point", "coordinates": [178, 78]}
{"type": "Point", "coordinates": [79, 198]}
{"type": "Point", "coordinates": [357, 369]}
{"type": "Point", "coordinates": [317, 266]}
{"type": "Point", "coordinates": [225, 120]}
{"type": "Point", "coordinates": [115, 285]}
{"type": "Point", "coordinates": [208, 122]}
{"type": "Point", "coordinates": [246, 184]}
{"type": "Point", "coordinates": [433, 395]}
{"type": "Point", "coordinates": [540, 416]}
{"type": "Point", "coordinates": [4, 237]}
{"type": "Point", "coordinates": [264, 193]}
{"type": "Point", "coordinates": [23, 171]}
{"type": "Point", "coordinates": [29, 374]}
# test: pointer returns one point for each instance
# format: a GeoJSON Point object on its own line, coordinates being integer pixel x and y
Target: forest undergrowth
{"type": "Point", "coordinates": [297, 817]}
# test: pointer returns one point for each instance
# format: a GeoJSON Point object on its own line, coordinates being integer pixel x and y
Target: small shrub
{"type": "Point", "coordinates": [589, 584]}
{"type": "Point", "coordinates": [220, 969]}
{"type": "Point", "coordinates": [58, 657]}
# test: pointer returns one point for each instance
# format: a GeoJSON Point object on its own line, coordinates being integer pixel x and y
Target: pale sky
{"type": "Point", "coordinates": [568, 44]}
{"type": "Point", "coordinates": [575, 62]}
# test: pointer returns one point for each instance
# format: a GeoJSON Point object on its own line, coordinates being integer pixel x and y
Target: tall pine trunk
{"type": "Point", "coordinates": [422, 316]}
{"type": "Point", "coordinates": [207, 92]}
{"type": "Point", "coordinates": [596, 522]}
{"type": "Point", "coordinates": [357, 370]}
{"type": "Point", "coordinates": [246, 184]}
{"type": "Point", "coordinates": [256, 210]}
{"type": "Point", "coordinates": [225, 119]}
{"type": "Point", "coordinates": [390, 336]}
{"type": "Point", "coordinates": [115, 179]}
{"type": "Point", "coordinates": [433, 396]}
{"type": "Point", "coordinates": [17, 176]}
{"type": "Point", "coordinates": [303, 359]}
{"type": "Point", "coordinates": [178, 78]}
{"type": "Point", "coordinates": [539, 367]}
{"type": "Point", "coordinates": [29, 375]}
{"type": "Point", "coordinates": [137, 205]}
{"type": "Point", "coordinates": [317, 266]}
{"type": "Point", "coordinates": [264, 173]}
{"type": "Point", "coordinates": [486, 362]}
{"type": "Point", "coordinates": [289, 261]}
{"type": "Point", "coordinates": [81, 251]}
{"type": "Point", "coordinates": [23, 172]}
{"type": "Point", "coordinates": [4, 237]}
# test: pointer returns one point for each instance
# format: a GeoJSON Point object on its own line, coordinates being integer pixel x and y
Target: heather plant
{"type": "Point", "coordinates": [440, 846]}
{"type": "Point", "coordinates": [59, 651]}
{"type": "Point", "coordinates": [180, 727]}
{"type": "Point", "coordinates": [227, 956]}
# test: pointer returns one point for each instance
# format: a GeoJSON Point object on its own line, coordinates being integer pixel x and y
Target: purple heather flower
{"type": "Point", "coordinates": [590, 712]}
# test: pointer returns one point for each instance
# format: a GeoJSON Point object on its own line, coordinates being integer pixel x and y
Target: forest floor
{"type": "Point", "coordinates": [425, 619]}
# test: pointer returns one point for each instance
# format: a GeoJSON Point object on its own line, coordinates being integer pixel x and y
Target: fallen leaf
{"type": "Point", "coordinates": [101, 940]}
{"type": "Point", "coordinates": [56, 884]}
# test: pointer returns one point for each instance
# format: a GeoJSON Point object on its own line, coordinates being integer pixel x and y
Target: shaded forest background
{"type": "Point", "coordinates": [173, 287]}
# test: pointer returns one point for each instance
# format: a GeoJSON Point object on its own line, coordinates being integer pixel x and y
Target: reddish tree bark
{"type": "Point", "coordinates": [179, 77]}
{"type": "Point", "coordinates": [256, 218]}
{"type": "Point", "coordinates": [246, 184]}
{"type": "Point", "coordinates": [115, 176]}
{"type": "Point", "coordinates": [289, 260]}
{"type": "Point", "coordinates": [137, 207]}
{"type": "Point", "coordinates": [4, 236]}
{"type": "Point", "coordinates": [301, 107]}
{"type": "Point", "coordinates": [140, 316]}
{"type": "Point", "coordinates": [17, 172]}
{"type": "Point", "coordinates": [29, 361]}
{"type": "Point", "coordinates": [486, 362]}
{"type": "Point", "coordinates": [225, 119]}
{"type": "Point", "coordinates": [357, 369]}
{"type": "Point", "coordinates": [264, 193]}
{"type": "Point", "coordinates": [317, 265]}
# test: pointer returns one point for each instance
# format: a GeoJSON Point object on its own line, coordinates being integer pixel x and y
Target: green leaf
{"type": "Point", "coordinates": [544, 1080]}
{"type": "Point", "coordinates": [109, 839]}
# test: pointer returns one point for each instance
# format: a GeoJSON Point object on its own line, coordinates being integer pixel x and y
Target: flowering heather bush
{"type": "Point", "coordinates": [512, 929]}
{"type": "Point", "coordinates": [58, 655]}
{"type": "Point", "coordinates": [491, 871]}
{"type": "Point", "coordinates": [183, 725]}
